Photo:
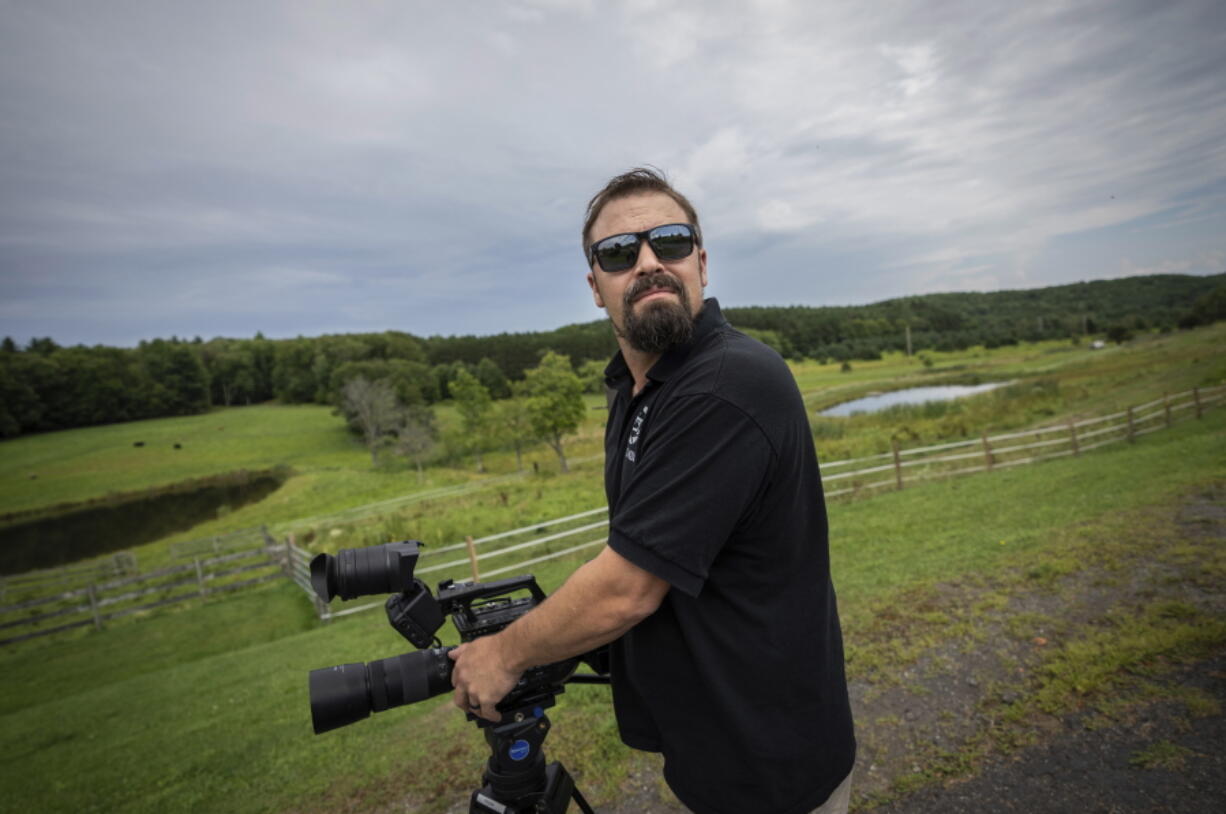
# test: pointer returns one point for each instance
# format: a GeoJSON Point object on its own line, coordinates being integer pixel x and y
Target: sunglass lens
{"type": "Point", "coordinates": [672, 242]}
{"type": "Point", "coordinates": [617, 253]}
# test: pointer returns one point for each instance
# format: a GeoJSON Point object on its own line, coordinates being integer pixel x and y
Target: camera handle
{"type": "Point", "coordinates": [516, 779]}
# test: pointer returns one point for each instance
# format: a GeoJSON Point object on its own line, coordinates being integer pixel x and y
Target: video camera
{"type": "Point", "coordinates": [516, 777]}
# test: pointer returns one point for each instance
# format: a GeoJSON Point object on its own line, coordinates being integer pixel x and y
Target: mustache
{"type": "Point", "coordinates": [645, 284]}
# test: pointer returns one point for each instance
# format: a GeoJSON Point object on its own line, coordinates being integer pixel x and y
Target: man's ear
{"type": "Point", "coordinates": [591, 281]}
{"type": "Point", "coordinates": [702, 267]}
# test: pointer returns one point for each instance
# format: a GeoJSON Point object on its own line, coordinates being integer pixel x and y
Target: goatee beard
{"type": "Point", "coordinates": [657, 326]}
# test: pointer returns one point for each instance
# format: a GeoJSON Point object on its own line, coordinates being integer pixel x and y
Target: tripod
{"type": "Point", "coordinates": [516, 779]}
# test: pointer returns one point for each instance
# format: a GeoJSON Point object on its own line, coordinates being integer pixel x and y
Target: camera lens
{"type": "Point", "coordinates": [353, 572]}
{"type": "Point", "coordinates": [338, 696]}
{"type": "Point", "coordinates": [350, 692]}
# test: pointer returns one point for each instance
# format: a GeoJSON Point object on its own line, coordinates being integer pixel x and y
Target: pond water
{"type": "Point", "coordinates": [107, 525]}
{"type": "Point", "coordinates": [911, 395]}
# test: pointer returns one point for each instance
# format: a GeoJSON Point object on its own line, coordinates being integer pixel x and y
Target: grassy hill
{"type": "Point", "coordinates": [207, 709]}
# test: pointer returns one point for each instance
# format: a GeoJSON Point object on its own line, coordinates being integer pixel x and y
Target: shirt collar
{"type": "Point", "coordinates": [710, 319]}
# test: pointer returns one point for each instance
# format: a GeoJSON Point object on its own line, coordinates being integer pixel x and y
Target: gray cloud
{"type": "Point", "coordinates": [295, 167]}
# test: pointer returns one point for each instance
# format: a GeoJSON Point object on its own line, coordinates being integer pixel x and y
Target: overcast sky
{"type": "Point", "coordinates": [222, 168]}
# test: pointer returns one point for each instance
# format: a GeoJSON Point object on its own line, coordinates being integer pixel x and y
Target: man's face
{"type": "Point", "coordinates": [652, 292]}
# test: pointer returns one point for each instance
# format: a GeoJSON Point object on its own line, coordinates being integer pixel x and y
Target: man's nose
{"type": "Point", "coordinates": [647, 262]}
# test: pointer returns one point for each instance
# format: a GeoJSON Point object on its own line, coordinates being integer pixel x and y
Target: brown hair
{"type": "Point", "coordinates": [635, 182]}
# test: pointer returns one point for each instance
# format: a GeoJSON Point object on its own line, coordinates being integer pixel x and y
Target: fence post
{"type": "Point", "coordinates": [287, 559]}
{"type": "Point", "coordinates": [1166, 408]}
{"type": "Point", "coordinates": [1072, 431]}
{"type": "Point", "coordinates": [472, 557]}
{"type": "Point", "coordinates": [897, 463]}
{"type": "Point", "coordinates": [1196, 398]}
{"type": "Point", "coordinates": [1132, 434]}
{"type": "Point", "coordinates": [93, 605]}
{"type": "Point", "coordinates": [200, 577]}
{"type": "Point", "coordinates": [987, 453]}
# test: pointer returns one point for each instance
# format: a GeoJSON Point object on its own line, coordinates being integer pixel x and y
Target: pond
{"type": "Point", "coordinates": [911, 395]}
{"type": "Point", "coordinates": [124, 521]}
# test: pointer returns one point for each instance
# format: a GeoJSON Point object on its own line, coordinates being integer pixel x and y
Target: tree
{"type": "Point", "coordinates": [774, 339]}
{"type": "Point", "coordinates": [490, 376]}
{"type": "Point", "coordinates": [591, 373]}
{"type": "Point", "coordinates": [43, 346]}
{"type": "Point", "coordinates": [1119, 333]}
{"type": "Point", "coordinates": [514, 424]}
{"type": "Point", "coordinates": [472, 401]}
{"type": "Point", "coordinates": [554, 398]}
{"type": "Point", "coordinates": [293, 380]}
{"type": "Point", "coordinates": [413, 382]}
{"type": "Point", "coordinates": [1207, 309]}
{"type": "Point", "coordinates": [371, 407]}
{"type": "Point", "coordinates": [180, 384]}
{"type": "Point", "coordinates": [20, 408]}
{"type": "Point", "coordinates": [263, 362]}
{"type": "Point", "coordinates": [416, 434]}
{"type": "Point", "coordinates": [231, 366]}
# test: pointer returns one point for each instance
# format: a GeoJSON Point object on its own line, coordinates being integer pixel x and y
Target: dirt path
{"type": "Point", "coordinates": [1091, 682]}
{"type": "Point", "coordinates": [1162, 760]}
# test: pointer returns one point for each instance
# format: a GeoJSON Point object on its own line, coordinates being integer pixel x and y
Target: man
{"type": "Point", "coordinates": [715, 584]}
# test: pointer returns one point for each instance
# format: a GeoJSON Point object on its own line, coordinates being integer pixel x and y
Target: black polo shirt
{"type": "Point", "coordinates": [713, 485]}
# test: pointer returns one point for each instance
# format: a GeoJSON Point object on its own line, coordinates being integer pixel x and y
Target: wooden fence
{"type": "Point", "coordinates": [852, 477]}
{"type": "Point", "coordinates": [37, 583]}
{"type": "Point", "coordinates": [217, 544]}
{"type": "Point", "coordinates": [99, 602]}
{"type": "Point", "coordinates": [895, 469]}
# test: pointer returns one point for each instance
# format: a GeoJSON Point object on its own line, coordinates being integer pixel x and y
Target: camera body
{"type": "Point", "coordinates": [349, 692]}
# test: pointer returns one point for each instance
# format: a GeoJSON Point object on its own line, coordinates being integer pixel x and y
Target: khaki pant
{"type": "Point", "coordinates": [839, 799]}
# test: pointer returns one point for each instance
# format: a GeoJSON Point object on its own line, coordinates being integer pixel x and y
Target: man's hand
{"type": "Point", "coordinates": [481, 676]}
{"type": "Point", "coordinates": [601, 600]}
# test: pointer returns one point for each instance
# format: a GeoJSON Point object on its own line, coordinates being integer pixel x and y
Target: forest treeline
{"type": "Point", "coordinates": [44, 386]}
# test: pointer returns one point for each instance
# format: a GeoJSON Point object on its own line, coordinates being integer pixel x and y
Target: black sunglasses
{"type": "Point", "coordinates": [672, 241]}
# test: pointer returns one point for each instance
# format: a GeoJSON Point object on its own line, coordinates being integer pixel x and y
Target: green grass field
{"type": "Point", "coordinates": [204, 707]}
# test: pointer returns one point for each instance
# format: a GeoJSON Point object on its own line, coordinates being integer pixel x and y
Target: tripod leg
{"type": "Point", "coordinates": [582, 803]}
{"type": "Point", "coordinates": [559, 788]}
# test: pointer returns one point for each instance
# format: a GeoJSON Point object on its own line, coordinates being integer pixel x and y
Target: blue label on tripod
{"type": "Point", "coordinates": [519, 750]}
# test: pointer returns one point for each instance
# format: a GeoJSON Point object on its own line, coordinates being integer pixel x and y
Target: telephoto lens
{"type": "Point", "coordinates": [347, 693]}
{"type": "Point", "coordinates": [353, 572]}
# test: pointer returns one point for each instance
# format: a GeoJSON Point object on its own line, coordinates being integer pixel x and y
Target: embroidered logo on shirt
{"type": "Point", "coordinates": [635, 430]}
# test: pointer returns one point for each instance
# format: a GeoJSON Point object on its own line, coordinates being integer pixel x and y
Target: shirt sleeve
{"type": "Point", "coordinates": [702, 464]}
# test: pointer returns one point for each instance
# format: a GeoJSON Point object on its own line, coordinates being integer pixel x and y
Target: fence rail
{"type": "Point", "coordinates": [37, 582]}
{"type": "Point", "coordinates": [477, 551]}
{"type": "Point", "coordinates": [100, 602]}
{"type": "Point", "coordinates": [240, 540]}
{"type": "Point", "coordinates": [1015, 448]}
